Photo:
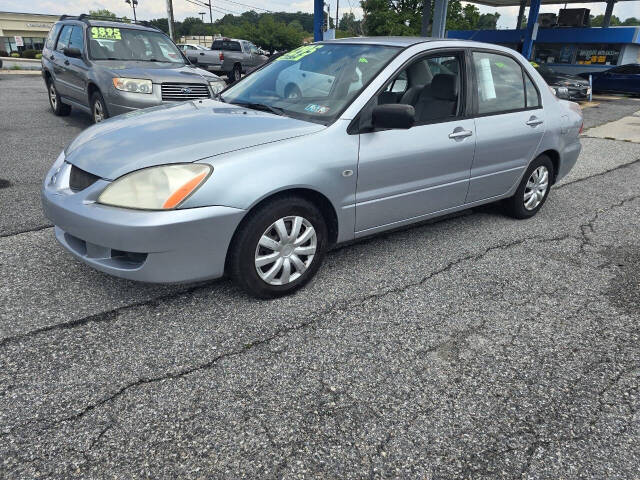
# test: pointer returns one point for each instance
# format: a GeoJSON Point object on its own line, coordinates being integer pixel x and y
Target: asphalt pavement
{"type": "Point", "coordinates": [472, 347]}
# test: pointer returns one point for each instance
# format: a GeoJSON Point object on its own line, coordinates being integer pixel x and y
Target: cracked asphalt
{"type": "Point", "coordinates": [471, 347]}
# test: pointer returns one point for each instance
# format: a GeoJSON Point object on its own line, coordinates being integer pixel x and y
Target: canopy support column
{"type": "Point", "coordinates": [439, 18]}
{"type": "Point", "coordinates": [532, 29]}
{"type": "Point", "coordinates": [318, 19]}
{"type": "Point", "coordinates": [606, 21]}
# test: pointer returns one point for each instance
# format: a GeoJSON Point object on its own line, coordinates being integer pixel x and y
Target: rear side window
{"type": "Point", "coordinates": [63, 40]}
{"type": "Point", "coordinates": [499, 82]}
{"type": "Point", "coordinates": [533, 99]}
{"type": "Point", "coordinates": [77, 38]}
{"type": "Point", "coordinates": [53, 33]}
{"type": "Point", "coordinates": [227, 45]}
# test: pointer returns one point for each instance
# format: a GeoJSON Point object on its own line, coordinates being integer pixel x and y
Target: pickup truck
{"type": "Point", "coordinates": [236, 57]}
{"type": "Point", "coordinates": [201, 56]}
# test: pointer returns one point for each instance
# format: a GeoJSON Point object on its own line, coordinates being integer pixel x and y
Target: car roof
{"type": "Point", "coordinates": [106, 23]}
{"type": "Point", "coordinates": [387, 41]}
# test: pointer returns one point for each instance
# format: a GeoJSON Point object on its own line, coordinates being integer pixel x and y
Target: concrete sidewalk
{"type": "Point", "coordinates": [626, 129]}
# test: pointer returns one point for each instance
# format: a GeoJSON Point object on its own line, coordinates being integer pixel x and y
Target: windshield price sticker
{"type": "Point", "coordinates": [299, 53]}
{"type": "Point", "coordinates": [105, 33]}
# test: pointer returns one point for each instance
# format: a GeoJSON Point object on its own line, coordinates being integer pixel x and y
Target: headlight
{"type": "Point", "coordinates": [217, 86]}
{"type": "Point", "coordinates": [133, 85]}
{"type": "Point", "coordinates": [156, 188]}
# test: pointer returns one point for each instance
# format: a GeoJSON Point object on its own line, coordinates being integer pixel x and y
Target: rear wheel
{"type": "Point", "coordinates": [99, 110]}
{"type": "Point", "coordinates": [235, 74]}
{"type": "Point", "coordinates": [59, 108]}
{"type": "Point", "coordinates": [533, 189]}
{"type": "Point", "coordinates": [278, 248]}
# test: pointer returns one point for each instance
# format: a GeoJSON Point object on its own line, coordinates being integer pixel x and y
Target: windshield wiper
{"type": "Point", "coordinates": [261, 106]}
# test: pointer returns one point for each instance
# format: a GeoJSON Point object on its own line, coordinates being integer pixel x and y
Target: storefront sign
{"type": "Point", "coordinates": [19, 42]}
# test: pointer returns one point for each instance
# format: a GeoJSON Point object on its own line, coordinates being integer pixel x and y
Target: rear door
{"type": "Point", "coordinates": [509, 123]}
{"type": "Point", "coordinates": [58, 60]}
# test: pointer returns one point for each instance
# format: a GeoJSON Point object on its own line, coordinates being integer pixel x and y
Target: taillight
{"type": "Point", "coordinates": [221, 56]}
{"type": "Point", "coordinates": [581, 128]}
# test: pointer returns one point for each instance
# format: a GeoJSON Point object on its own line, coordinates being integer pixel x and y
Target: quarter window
{"type": "Point", "coordinates": [533, 100]}
{"type": "Point", "coordinates": [499, 81]}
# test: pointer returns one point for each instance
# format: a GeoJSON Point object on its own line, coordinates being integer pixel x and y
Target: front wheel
{"type": "Point", "coordinates": [99, 110]}
{"type": "Point", "coordinates": [533, 189]}
{"type": "Point", "coordinates": [278, 248]}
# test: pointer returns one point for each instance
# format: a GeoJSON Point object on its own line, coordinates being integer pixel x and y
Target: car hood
{"type": "Point", "coordinates": [157, 72]}
{"type": "Point", "coordinates": [175, 133]}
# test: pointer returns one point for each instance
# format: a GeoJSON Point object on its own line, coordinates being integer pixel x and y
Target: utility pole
{"type": "Point", "coordinates": [133, 4]}
{"type": "Point", "coordinates": [202, 14]}
{"type": "Point", "coordinates": [337, 8]}
{"type": "Point", "coordinates": [170, 18]}
{"type": "Point", "coordinates": [210, 14]}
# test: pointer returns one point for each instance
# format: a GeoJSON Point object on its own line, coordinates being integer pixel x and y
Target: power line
{"type": "Point", "coordinates": [250, 6]}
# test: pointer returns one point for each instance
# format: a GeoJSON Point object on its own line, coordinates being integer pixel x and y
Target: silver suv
{"type": "Point", "coordinates": [107, 68]}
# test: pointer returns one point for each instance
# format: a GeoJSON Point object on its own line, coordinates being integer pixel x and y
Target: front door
{"type": "Point", "coordinates": [75, 71]}
{"type": "Point", "coordinates": [509, 124]}
{"type": "Point", "coordinates": [407, 174]}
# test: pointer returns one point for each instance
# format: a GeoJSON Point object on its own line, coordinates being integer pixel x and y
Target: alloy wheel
{"type": "Point", "coordinates": [53, 97]}
{"type": "Point", "coordinates": [536, 187]}
{"type": "Point", "coordinates": [98, 111]}
{"type": "Point", "coordinates": [285, 250]}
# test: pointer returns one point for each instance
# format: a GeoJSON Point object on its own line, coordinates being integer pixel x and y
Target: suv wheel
{"type": "Point", "coordinates": [279, 247]}
{"type": "Point", "coordinates": [533, 189]}
{"type": "Point", "coordinates": [98, 108]}
{"type": "Point", "coordinates": [59, 108]}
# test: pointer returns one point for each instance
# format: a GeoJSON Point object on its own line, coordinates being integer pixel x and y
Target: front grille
{"type": "Point", "coordinates": [176, 92]}
{"type": "Point", "coordinates": [79, 179]}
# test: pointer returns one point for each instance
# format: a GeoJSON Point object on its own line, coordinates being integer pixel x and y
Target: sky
{"type": "Point", "coordinates": [148, 9]}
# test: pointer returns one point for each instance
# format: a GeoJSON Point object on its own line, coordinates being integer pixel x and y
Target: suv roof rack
{"type": "Point", "coordinates": [86, 17]}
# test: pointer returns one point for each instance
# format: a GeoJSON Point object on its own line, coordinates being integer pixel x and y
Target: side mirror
{"type": "Point", "coordinates": [393, 115]}
{"type": "Point", "coordinates": [72, 52]}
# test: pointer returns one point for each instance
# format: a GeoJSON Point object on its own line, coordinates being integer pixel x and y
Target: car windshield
{"type": "Point", "coordinates": [315, 82]}
{"type": "Point", "coordinates": [111, 43]}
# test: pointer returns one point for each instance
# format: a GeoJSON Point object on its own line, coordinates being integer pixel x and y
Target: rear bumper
{"type": "Point", "coordinates": [151, 246]}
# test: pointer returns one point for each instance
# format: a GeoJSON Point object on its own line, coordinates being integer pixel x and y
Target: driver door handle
{"type": "Point", "coordinates": [66, 62]}
{"type": "Point", "coordinates": [460, 134]}
{"type": "Point", "coordinates": [533, 122]}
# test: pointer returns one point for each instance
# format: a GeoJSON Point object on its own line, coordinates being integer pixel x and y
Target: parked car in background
{"type": "Point", "coordinates": [237, 57]}
{"type": "Point", "coordinates": [107, 68]}
{"type": "Point", "coordinates": [202, 57]}
{"type": "Point", "coordinates": [565, 85]}
{"type": "Point", "coordinates": [259, 186]}
{"type": "Point", "coordinates": [620, 79]}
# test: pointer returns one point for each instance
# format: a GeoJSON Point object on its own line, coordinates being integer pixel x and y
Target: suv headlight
{"type": "Point", "coordinates": [133, 85]}
{"type": "Point", "coordinates": [156, 188]}
{"type": "Point", "coordinates": [217, 86]}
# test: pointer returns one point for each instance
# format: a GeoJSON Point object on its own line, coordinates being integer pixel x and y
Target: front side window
{"type": "Point", "coordinates": [500, 86]}
{"type": "Point", "coordinates": [114, 43]}
{"type": "Point", "coordinates": [77, 38]}
{"type": "Point", "coordinates": [316, 82]}
{"type": "Point", "coordinates": [63, 40]}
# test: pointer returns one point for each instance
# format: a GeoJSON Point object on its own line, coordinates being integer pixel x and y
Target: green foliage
{"type": "Point", "coordinates": [15, 67]}
{"type": "Point", "coordinates": [615, 21]}
{"type": "Point", "coordinates": [15, 54]}
{"type": "Point", "coordinates": [104, 13]}
{"type": "Point", "coordinates": [631, 21]}
{"type": "Point", "coordinates": [404, 17]}
{"type": "Point", "coordinates": [349, 25]}
{"type": "Point", "coordinates": [38, 56]}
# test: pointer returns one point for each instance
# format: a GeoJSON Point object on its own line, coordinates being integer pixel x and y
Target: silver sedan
{"type": "Point", "coordinates": [381, 133]}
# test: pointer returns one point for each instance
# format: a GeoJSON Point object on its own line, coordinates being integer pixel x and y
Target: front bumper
{"type": "Point", "coordinates": [151, 246]}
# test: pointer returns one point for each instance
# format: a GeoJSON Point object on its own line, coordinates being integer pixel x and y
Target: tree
{"type": "Point", "coordinates": [488, 21]}
{"type": "Point", "coordinates": [599, 19]}
{"type": "Point", "coordinates": [349, 25]}
{"type": "Point", "coordinates": [631, 21]}
{"type": "Point", "coordinates": [104, 13]}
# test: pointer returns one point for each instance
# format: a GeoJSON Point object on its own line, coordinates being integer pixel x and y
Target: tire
{"type": "Point", "coordinates": [536, 182]}
{"type": "Point", "coordinates": [60, 109]}
{"type": "Point", "coordinates": [292, 91]}
{"type": "Point", "coordinates": [246, 249]}
{"type": "Point", "coordinates": [99, 112]}
{"type": "Point", "coordinates": [235, 74]}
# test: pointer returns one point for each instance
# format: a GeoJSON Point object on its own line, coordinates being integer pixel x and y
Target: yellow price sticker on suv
{"type": "Point", "coordinates": [299, 53]}
{"type": "Point", "coordinates": [105, 33]}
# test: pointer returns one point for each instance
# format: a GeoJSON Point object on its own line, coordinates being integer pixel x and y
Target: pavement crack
{"type": "Point", "coordinates": [600, 174]}
{"type": "Point", "coordinates": [27, 230]}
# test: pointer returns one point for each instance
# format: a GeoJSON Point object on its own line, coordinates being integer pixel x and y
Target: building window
{"type": "Point", "coordinates": [582, 54]}
{"type": "Point", "coordinates": [554, 53]}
